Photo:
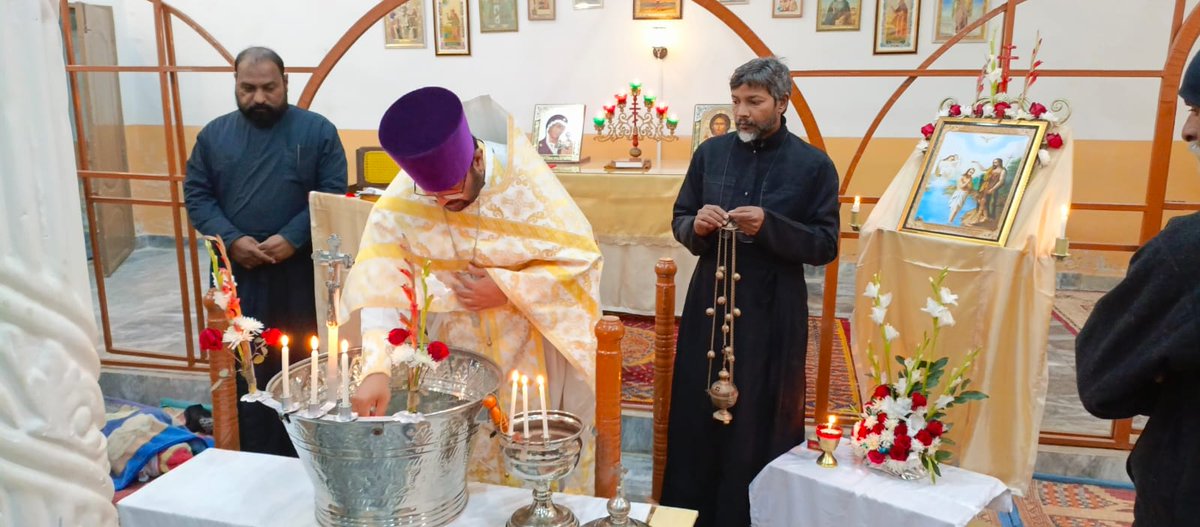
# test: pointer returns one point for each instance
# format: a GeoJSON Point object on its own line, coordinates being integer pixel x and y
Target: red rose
{"type": "Point", "coordinates": [1036, 110]}
{"type": "Point", "coordinates": [878, 429]}
{"type": "Point", "coordinates": [925, 437]}
{"type": "Point", "coordinates": [1000, 108]}
{"type": "Point", "coordinates": [901, 430]}
{"type": "Point", "coordinates": [978, 110]}
{"type": "Point", "coordinates": [210, 339]}
{"type": "Point", "coordinates": [438, 351]}
{"type": "Point", "coordinates": [862, 431]}
{"type": "Point", "coordinates": [875, 457]}
{"type": "Point", "coordinates": [955, 110]}
{"type": "Point", "coordinates": [881, 391]}
{"type": "Point", "coordinates": [271, 336]}
{"type": "Point", "coordinates": [881, 416]}
{"type": "Point", "coordinates": [927, 130]}
{"type": "Point", "coordinates": [397, 336]}
{"type": "Point", "coordinates": [918, 400]}
{"type": "Point", "coordinates": [1054, 141]}
{"type": "Point", "coordinates": [899, 454]}
{"type": "Point", "coordinates": [934, 428]}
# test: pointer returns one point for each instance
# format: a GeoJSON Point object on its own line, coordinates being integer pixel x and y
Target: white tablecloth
{"type": "Point", "coordinates": [793, 491]}
{"type": "Point", "coordinates": [222, 488]}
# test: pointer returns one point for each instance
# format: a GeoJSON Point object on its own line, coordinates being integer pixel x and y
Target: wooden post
{"type": "Point", "coordinates": [664, 365]}
{"type": "Point", "coordinates": [609, 332]}
{"type": "Point", "coordinates": [223, 375]}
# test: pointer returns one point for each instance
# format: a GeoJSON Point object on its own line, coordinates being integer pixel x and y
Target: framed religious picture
{"type": "Point", "coordinates": [587, 4]}
{"type": "Point", "coordinates": [896, 23]}
{"type": "Point", "coordinates": [657, 9]}
{"type": "Point", "coordinates": [541, 9]}
{"type": "Point", "coordinates": [954, 15]}
{"type": "Point", "coordinates": [452, 27]}
{"type": "Point", "coordinates": [839, 15]}
{"type": "Point", "coordinates": [558, 131]}
{"type": "Point", "coordinates": [404, 27]}
{"type": "Point", "coordinates": [497, 16]}
{"type": "Point", "coordinates": [973, 178]}
{"type": "Point", "coordinates": [786, 8]}
{"type": "Point", "coordinates": [710, 120]}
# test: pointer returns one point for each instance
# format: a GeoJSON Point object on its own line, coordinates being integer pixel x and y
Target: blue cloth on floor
{"type": "Point", "coordinates": [132, 416]}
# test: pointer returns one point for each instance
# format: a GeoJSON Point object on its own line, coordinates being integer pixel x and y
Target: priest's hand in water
{"type": "Point", "coordinates": [708, 219]}
{"type": "Point", "coordinates": [278, 248]}
{"type": "Point", "coordinates": [247, 253]}
{"type": "Point", "coordinates": [372, 396]}
{"type": "Point", "coordinates": [476, 290]}
{"type": "Point", "coordinates": [748, 219]}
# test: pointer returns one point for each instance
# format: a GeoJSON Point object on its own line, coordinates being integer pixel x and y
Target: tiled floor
{"type": "Point", "coordinates": [146, 314]}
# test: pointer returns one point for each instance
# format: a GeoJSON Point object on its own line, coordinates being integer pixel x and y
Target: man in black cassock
{"type": "Point", "coordinates": [1139, 354]}
{"type": "Point", "coordinates": [782, 194]}
{"type": "Point", "coordinates": [248, 180]}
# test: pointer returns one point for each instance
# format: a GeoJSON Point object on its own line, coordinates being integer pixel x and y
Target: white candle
{"type": "Point", "coordinates": [287, 377]}
{"type": "Point", "coordinates": [331, 362]}
{"type": "Point", "coordinates": [857, 204]}
{"type": "Point", "coordinates": [525, 405]}
{"type": "Point", "coordinates": [1066, 211]}
{"type": "Point", "coordinates": [345, 372]}
{"type": "Point", "coordinates": [512, 404]}
{"type": "Point", "coordinates": [541, 382]}
{"type": "Point", "coordinates": [314, 343]}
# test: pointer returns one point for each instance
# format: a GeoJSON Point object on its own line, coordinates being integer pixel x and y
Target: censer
{"type": "Point", "coordinates": [724, 313]}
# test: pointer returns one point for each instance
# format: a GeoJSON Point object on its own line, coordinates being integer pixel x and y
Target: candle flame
{"type": "Point", "coordinates": [524, 379]}
{"type": "Point", "coordinates": [516, 376]}
{"type": "Point", "coordinates": [1066, 211]}
{"type": "Point", "coordinates": [314, 342]}
{"type": "Point", "coordinates": [345, 345]}
{"type": "Point", "coordinates": [284, 340]}
{"type": "Point", "coordinates": [857, 200]}
{"type": "Point", "coordinates": [541, 380]}
{"type": "Point", "coordinates": [832, 421]}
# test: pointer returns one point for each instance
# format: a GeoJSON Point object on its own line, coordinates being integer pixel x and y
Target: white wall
{"type": "Point", "coordinates": [584, 55]}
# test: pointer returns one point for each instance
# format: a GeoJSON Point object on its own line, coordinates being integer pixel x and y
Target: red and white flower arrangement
{"type": "Point", "coordinates": [902, 426]}
{"type": "Point", "coordinates": [998, 104]}
{"type": "Point", "coordinates": [245, 336]}
{"type": "Point", "coordinates": [411, 345]}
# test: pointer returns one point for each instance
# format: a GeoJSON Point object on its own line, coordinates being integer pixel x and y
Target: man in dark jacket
{"type": "Point", "coordinates": [1139, 354]}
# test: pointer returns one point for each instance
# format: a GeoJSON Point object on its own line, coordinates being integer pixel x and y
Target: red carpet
{"type": "Point", "coordinates": [637, 372]}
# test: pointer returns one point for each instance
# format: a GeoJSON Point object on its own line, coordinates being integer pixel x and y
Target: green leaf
{"type": "Point", "coordinates": [937, 471]}
{"type": "Point", "coordinates": [941, 363]}
{"type": "Point", "coordinates": [971, 396]}
{"type": "Point", "coordinates": [900, 360]}
{"type": "Point", "coordinates": [942, 456]}
{"type": "Point", "coordinates": [947, 440]}
{"type": "Point", "coordinates": [258, 359]}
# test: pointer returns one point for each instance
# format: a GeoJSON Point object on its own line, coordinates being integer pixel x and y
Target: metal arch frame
{"type": "Point", "coordinates": [1184, 34]}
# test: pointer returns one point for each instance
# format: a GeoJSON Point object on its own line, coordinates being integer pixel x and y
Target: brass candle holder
{"type": "Point", "coordinates": [627, 119]}
{"type": "Point", "coordinates": [827, 440]}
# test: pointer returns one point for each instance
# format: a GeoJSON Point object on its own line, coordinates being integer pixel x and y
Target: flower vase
{"type": "Point", "coordinates": [910, 472]}
{"type": "Point", "coordinates": [414, 389]}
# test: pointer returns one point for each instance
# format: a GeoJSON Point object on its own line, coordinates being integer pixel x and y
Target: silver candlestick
{"type": "Point", "coordinates": [618, 510]}
{"type": "Point", "coordinates": [541, 461]}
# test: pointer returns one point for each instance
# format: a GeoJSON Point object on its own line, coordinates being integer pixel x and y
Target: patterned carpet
{"type": "Point", "coordinates": [637, 372]}
{"type": "Point", "coordinates": [1059, 504]}
{"type": "Point", "coordinates": [1073, 307]}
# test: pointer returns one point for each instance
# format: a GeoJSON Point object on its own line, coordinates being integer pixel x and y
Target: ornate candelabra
{"type": "Point", "coordinates": [541, 460]}
{"type": "Point", "coordinates": [627, 119]}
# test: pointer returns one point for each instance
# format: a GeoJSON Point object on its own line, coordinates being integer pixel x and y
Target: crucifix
{"type": "Point", "coordinates": [335, 263]}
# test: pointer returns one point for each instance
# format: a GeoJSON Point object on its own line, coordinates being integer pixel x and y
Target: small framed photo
{"type": "Point", "coordinates": [587, 4]}
{"type": "Point", "coordinates": [786, 8]}
{"type": "Point", "coordinates": [839, 15]}
{"type": "Point", "coordinates": [541, 9]}
{"type": "Point", "coordinates": [710, 120]}
{"type": "Point", "coordinates": [452, 31]}
{"type": "Point", "coordinates": [973, 179]}
{"type": "Point", "coordinates": [896, 23]}
{"type": "Point", "coordinates": [955, 15]}
{"type": "Point", "coordinates": [404, 27]}
{"type": "Point", "coordinates": [558, 131]}
{"type": "Point", "coordinates": [657, 9]}
{"type": "Point", "coordinates": [497, 16]}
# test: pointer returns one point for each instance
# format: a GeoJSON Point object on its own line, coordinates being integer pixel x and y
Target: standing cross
{"type": "Point", "coordinates": [335, 262]}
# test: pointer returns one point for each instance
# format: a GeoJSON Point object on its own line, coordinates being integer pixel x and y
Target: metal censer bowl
{"type": "Point", "coordinates": [379, 471]}
{"type": "Point", "coordinates": [541, 461]}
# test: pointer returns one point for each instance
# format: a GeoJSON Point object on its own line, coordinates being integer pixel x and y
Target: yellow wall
{"type": "Point", "coordinates": [1105, 172]}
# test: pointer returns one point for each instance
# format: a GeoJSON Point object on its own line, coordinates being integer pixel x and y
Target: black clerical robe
{"type": "Point", "coordinates": [248, 181]}
{"type": "Point", "coordinates": [1139, 354]}
{"type": "Point", "coordinates": [710, 465]}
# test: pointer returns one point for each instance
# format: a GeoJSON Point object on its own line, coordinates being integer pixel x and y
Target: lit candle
{"type": "Point", "coordinates": [610, 110]}
{"type": "Point", "coordinates": [541, 382]}
{"type": "Point", "coordinates": [598, 120]}
{"type": "Point", "coordinates": [312, 383]}
{"type": "Point", "coordinates": [525, 405]}
{"type": "Point", "coordinates": [672, 120]}
{"type": "Point", "coordinates": [331, 360]}
{"type": "Point", "coordinates": [832, 423]}
{"type": "Point", "coordinates": [857, 204]}
{"type": "Point", "coordinates": [661, 109]}
{"type": "Point", "coordinates": [512, 405]}
{"type": "Point", "coordinates": [345, 372]}
{"type": "Point", "coordinates": [287, 377]}
{"type": "Point", "coordinates": [648, 98]}
{"type": "Point", "coordinates": [621, 98]}
{"type": "Point", "coordinates": [1066, 211]}
{"type": "Point", "coordinates": [635, 85]}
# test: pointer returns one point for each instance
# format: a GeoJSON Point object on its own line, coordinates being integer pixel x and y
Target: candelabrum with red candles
{"type": "Point", "coordinates": [635, 115]}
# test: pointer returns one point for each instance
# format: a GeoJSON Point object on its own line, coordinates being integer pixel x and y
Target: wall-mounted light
{"type": "Point", "coordinates": [658, 41]}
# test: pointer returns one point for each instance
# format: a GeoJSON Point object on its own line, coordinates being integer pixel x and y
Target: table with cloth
{"type": "Point", "coordinates": [1005, 297]}
{"type": "Point", "coordinates": [793, 491]}
{"type": "Point", "coordinates": [224, 488]}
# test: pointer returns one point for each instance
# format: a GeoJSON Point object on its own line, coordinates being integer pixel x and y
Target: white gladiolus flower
{"type": "Point", "coordinates": [943, 401]}
{"type": "Point", "coordinates": [877, 314]}
{"type": "Point", "coordinates": [872, 290]}
{"type": "Point", "coordinates": [901, 385]}
{"type": "Point", "coordinates": [890, 333]}
{"type": "Point", "coordinates": [916, 423]}
{"type": "Point", "coordinates": [885, 300]}
{"type": "Point", "coordinates": [917, 375]}
{"type": "Point", "coordinates": [933, 307]}
{"type": "Point", "coordinates": [945, 319]}
{"type": "Point", "coordinates": [957, 381]}
{"type": "Point", "coordinates": [948, 297]}
{"type": "Point", "coordinates": [909, 363]}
